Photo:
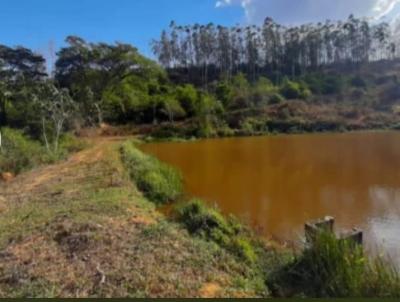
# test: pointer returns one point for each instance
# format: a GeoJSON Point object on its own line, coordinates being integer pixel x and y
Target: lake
{"type": "Point", "coordinates": [277, 183]}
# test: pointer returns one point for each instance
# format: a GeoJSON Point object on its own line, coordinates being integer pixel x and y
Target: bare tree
{"type": "Point", "coordinates": [56, 107]}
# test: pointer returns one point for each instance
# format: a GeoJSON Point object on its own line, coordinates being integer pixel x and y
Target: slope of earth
{"type": "Point", "coordinates": [80, 228]}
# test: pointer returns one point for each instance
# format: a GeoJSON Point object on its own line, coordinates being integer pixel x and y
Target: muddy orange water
{"type": "Point", "coordinates": [277, 183]}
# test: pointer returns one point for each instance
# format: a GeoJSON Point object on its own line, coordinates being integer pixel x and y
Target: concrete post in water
{"type": "Point", "coordinates": [354, 236]}
{"type": "Point", "coordinates": [327, 224]}
{"type": "Point", "coordinates": [312, 228]}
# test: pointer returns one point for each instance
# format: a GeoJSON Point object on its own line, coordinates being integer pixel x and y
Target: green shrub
{"type": "Point", "coordinates": [333, 85]}
{"type": "Point", "coordinates": [159, 182]}
{"type": "Point", "coordinates": [210, 224]}
{"type": "Point", "coordinates": [200, 219]}
{"type": "Point", "coordinates": [276, 98]}
{"type": "Point", "coordinates": [262, 91]}
{"type": "Point", "coordinates": [243, 248]}
{"type": "Point", "coordinates": [224, 93]}
{"type": "Point", "coordinates": [251, 125]}
{"type": "Point", "coordinates": [70, 143]}
{"type": "Point", "coordinates": [327, 84]}
{"type": "Point", "coordinates": [225, 131]}
{"type": "Point", "coordinates": [247, 127]}
{"type": "Point", "coordinates": [171, 109]}
{"type": "Point", "coordinates": [19, 152]}
{"type": "Point", "coordinates": [187, 97]}
{"type": "Point", "coordinates": [205, 128]}
{"type": "Point", "coordinates": [335, 268]}
{"type": "Point", "coordinates": [358, 81]}
{"type": "Point", "coordinates": [295, 90]}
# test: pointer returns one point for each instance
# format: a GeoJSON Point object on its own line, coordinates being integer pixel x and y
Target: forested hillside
{"type": "Point", "coordinates": [210, 81]}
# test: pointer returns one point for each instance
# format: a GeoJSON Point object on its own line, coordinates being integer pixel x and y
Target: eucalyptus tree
{"type": "Point", "coordinates": [272, 49]}
{"type": "Point", "coordinates": [252, 50]}
{"type": "Point", "coordinates": [224, 57]}
{"type": "Point", "coordinates": [381, 35]}
{"type": "Point", "coordinates": [163, 49]}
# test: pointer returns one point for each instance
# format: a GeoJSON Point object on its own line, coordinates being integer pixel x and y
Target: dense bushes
{"type": "Point", "coordinates": [187, 97]}
{"type": "Point", "coordinates": [359, 81]}
{"type": "Point", "coordinates": [19, 152]}
{"type": "Point", "coordinates": [251, 126]}
{"type": "Point", "coordinates": [295, 90]}
{"type": "Point", "coordinates": [159, 182]}
{"type": "Point", "coordinates": [325, 84]}
{"type": "Point", "coordinates": [276, 98]}
{"type": "Point", "coordinates": [335, 268]}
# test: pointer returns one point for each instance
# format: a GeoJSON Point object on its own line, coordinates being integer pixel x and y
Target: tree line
{"type": "Point", "coordinates": [205, 75]}
{"type": "Point", "coordinates": [91, 83]}
{"type": "Point", "coordinates": [272, 49]}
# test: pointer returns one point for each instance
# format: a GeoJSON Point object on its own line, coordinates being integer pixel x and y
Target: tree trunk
{"type": "Point", "coordinates": [45, 135]}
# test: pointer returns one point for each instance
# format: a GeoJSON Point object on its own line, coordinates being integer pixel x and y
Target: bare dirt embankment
{"type": "Point", "coordinates": [80, 228]}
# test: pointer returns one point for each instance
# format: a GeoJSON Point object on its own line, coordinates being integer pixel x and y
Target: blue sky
{"type": "Point", "coordinates": [34, 23]}
{"type": "Point", "coordinates": [39, 23]}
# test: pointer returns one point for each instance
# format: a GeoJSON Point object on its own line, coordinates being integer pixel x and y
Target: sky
{"type": "Point", "coordinates": [42, 25]}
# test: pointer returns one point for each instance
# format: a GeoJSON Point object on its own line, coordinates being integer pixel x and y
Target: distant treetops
{"type": "Point", "coordinates": [272, 48]}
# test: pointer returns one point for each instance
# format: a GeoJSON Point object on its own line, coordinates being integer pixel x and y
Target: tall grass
{"type": "Point", "coordinates": [208, 223]}
{"type": "Point", "coordinates": [335, 268]}
{"type": "Point", "coordinates": [159, 182]}
{"type": "Point", "coordinates": [19, 152]}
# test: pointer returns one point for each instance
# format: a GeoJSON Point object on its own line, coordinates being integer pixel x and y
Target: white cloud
{"type": "Point", "coordinates": [300, 11]}
{"type": "Point", "coordinates": [384, 7]}
{"type": "Point", "coordinates": [223, 3]}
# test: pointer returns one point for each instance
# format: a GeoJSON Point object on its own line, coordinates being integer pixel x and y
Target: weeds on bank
{"type": "Point", "coordinates": [210, 224]}
{"type": "Point", "coordinates": [159, 182]}
{"type": "Point", "coordinates": [335, 268]}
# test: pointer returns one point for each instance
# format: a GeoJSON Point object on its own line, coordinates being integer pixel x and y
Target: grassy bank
{"type": "Point", "coordinates": [158, 181]}
{"type": "Point", "coordinates": [201, 222]}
